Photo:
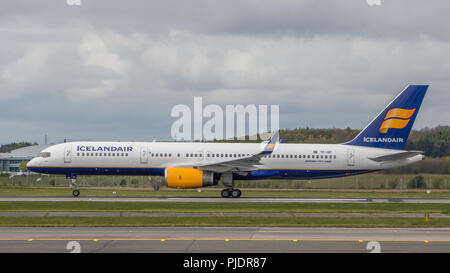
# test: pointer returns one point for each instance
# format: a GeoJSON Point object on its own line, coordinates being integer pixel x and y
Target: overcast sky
{"type": "Point", "coordinates": [113, 70]}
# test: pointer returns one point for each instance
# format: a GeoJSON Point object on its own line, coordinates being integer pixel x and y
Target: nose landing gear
{"type": "Point", "coordinates": [75, 193]}
{"type": "Point", "coordinates": [74, 184]}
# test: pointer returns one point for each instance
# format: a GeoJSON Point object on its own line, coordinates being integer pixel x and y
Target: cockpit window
{"type": "Point", "coordinates": [45, 154]}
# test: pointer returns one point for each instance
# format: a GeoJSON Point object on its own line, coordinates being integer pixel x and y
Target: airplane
{"type": "Point", "coordinates": [194, 165]}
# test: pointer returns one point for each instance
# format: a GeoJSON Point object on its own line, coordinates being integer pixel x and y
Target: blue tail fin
{"type": "Point", "coordinates": [390, 129]}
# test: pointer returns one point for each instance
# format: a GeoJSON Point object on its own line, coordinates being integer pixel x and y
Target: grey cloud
{"type": "Point", "coordinates": [114, 69]}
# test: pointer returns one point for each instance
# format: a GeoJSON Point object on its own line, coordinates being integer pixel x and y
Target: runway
{"type": "Point", "coordinates": [225, 200]}
{"type": "Point", "coordinates": [224, 240]}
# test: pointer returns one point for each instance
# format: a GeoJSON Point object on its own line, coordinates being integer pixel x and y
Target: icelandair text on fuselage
{"type": "Point", "coordinates": [383, 139]}
{"type": "Point", "coordinates": [104, 149]}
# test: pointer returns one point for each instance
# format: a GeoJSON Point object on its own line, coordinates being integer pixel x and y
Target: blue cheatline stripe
{"type": "Point", "coordinates": [257, 174]}
{"type": "Point", "coordinates": [98, 171]}
{"type": "Point", "coordinates": [299, 174]}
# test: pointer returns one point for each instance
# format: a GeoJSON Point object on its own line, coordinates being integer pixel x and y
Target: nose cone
{"type": "Point", "coordinates": [33, 163]}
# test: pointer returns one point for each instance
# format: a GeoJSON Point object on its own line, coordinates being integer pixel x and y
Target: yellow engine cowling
{"type": "Point", "coordinates": [188, 178]}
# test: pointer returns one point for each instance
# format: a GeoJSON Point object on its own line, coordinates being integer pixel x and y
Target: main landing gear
{"type": "Point", "coordinates": [74, 184]}
{"type": "Point", "coordinates": [230, 192]}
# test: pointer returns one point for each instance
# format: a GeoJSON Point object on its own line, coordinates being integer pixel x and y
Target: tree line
{"type": "Point", "coordinates": [6, 148]}
{"type": "Point", "coordinates": [434, 142]}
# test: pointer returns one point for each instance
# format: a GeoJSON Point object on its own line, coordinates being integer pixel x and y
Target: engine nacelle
{"type": "Point", "coordinates": [188, 178]}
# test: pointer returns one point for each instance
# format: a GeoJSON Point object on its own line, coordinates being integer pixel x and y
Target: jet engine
{"type": "Point", "coordinates": [188, 178]}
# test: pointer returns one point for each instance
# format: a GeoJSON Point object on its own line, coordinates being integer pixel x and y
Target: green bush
{"type": "Point", "coordinates": [123, 183]}
{"type": "Point", "coordinates": [436, 184]}
{"type": "Point", "coordinates": [417, 182]}
{"type": "Point", "coordinates": [393, 184]}
{"type": "Point", "coordinates": [134, 182]}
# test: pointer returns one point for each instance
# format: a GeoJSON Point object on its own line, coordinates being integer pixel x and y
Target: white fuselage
{"type": "Point", "coordinates": [287, 161]}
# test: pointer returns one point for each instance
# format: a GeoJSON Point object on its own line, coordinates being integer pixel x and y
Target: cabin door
{"type": "Point", "coordinates": [68, 154]}
{"type": "Point", "coordinates": [351, 157]}
{"type": "Point", "coordinates": [144, 155]}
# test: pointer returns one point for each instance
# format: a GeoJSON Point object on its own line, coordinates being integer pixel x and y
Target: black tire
{"type": "Point", "coordinates": [226, 193]}
{"type": "Point", "coordinates": [236, 193]}
{"type": "Point", "coordinates": [76, 193]}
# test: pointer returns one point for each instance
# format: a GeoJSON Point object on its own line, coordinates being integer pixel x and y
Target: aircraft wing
{"type": "Point", "coordinates": [395, 156]}
{"type": "Point", "coordinates": [243, 164]}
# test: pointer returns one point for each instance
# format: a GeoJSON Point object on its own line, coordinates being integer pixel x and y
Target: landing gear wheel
{"type": "Point", "coordinates": [236, 193]}
{"type": "Point", "coordinates": [226, 193]}
{"type": "Point", "coordinates": [76, 193]}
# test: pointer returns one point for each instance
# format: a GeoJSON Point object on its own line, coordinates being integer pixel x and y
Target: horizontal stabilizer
{"type": "Point", "coordinates": [396, 156]}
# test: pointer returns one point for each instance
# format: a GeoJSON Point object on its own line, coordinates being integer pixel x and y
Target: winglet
{"type": "Point", "coordinates": [271, 144]}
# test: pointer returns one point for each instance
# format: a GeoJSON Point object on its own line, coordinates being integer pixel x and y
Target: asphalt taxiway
{"type": "Point", "coordinates": [220, 240]}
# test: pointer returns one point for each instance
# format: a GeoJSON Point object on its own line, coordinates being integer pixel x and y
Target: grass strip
{"type": "Point", "coordinates": [118, 192]}
{"type": "Point", "coordinates": [86, 206]}
{"type": "Point", "coordinates": [217, 222]}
